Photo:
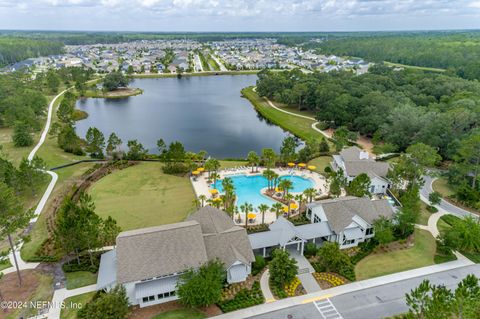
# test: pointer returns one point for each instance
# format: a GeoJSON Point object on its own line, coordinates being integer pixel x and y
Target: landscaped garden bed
{"type": "Point", "coordinates": [329, 279]}
{"type": "Point", "coordinates": [243, 299]}
{"type": "Point", "coordinates": [295, 288]}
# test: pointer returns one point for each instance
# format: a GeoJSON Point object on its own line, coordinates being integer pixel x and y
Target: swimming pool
{"type": "Point", "coordinates": [247, 188]}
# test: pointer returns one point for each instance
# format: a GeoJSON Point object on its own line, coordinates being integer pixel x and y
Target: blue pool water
{"type": "Point", "coordinates": [247, 188]}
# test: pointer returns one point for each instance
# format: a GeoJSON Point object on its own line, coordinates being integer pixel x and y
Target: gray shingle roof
{"type": "Point", "coordinates": [223, 239]}
{"type": "Point", "coordinates": [157, 251]}
{"type": "Point", "coordinates": [355, 166]}
{"type": "Point", "coordinates": [340, 211]}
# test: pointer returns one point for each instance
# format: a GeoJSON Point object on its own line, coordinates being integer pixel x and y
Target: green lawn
{"type": "Point", "coordinates": [424, 214]}
{"type": "Point", "coordinates": [142, 196]}
{"type": "Point", "coordinates": [423, 68]}
{"type": "Point", "coordinates": [39, 232]}
{"type": "Point", "coordinates": [321, 162]}
{"type": "Point", "coordinates": [298, 126]}
{"type": "Point", "coordinates": [79, 279]}
{"type": "Point", "coordinates": [15, 154]}
{"type": "Point", "coordinates": [5, 264]}
{"type": "Point", "coordinates": [379, 264]}
{"type": "Point", "coordinates": [180, 314]}
{"type": "Point", "coordinates": [74, 303]}
{"type": "Point", "coordinates": [230, 164]}
{"type": "Point", "coordinates": [441, 185]}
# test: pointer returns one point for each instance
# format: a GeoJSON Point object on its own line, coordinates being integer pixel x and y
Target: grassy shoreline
{"type": "Point", "coordinates": [118, 94]}
{"type": "Point", "coordinates": [206, 73]}
{"type": "Point", "coordinates": [300, 127]}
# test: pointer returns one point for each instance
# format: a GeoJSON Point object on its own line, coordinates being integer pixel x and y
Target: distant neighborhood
{"type": "Point", "coordinates": [172, 56]}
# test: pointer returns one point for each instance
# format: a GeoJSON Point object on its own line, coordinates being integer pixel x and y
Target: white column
{"type": "Point", "coordinates": [303, 245]}
{"type": "Point", "coordinates": [264, 252]}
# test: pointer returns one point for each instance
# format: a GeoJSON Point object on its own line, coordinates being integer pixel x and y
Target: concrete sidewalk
{"type": "Point", "coordinates": [348, 288]}
{"type": "Point", "coordinates": [60, 295]}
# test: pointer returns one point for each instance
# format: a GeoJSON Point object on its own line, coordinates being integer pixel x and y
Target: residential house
{"type": "Point", "coordinates": [148, 262]}
{"type": "Point", "coordinates": [353, 161]}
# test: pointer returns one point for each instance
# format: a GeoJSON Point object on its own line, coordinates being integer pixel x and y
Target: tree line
{"type": "Point", "coordinates": [13, 49]}
{"type": "Point", "coordinates": [398, 108]}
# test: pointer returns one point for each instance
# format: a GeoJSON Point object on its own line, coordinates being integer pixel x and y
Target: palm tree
{"type": "Point", "coordinates": [196, 203]}
{"type": "Point", "coordinates": [253, 159]}
{"type": "Point", "coordinates": [275, 177]}
{"type": "Point", "coordinates": [299, 198]}
{"type": "Point", "coordinates": [285, 185]}
{"type": "Point", "coordinates": [212, 165]}
{"type": "Point", "coordinates": [263, 208]}
{"type": "Point", "coordinates": [277, 208]}
{"type": "Point", "coordinates": [268, 174]}
{"type": "Point", "coordinates": [310, 193]}
{"type": "Point", "coordinates": [202, 199]}
{"type": "Point", "coordinates": [245, 208]}
{"type": "Point", "coordinates": [289, 198]}
{"type": "Point", "coordinates": [229, 191]}
{"type": "Point", "coordinates": [215, 176]}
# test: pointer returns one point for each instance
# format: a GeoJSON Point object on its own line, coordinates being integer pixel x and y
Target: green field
{"type": "Point", "coordinates": [79, 301]}
{"type": "Point", "coordinates": [79, 279]}
{"type": "Point", "coordinates": [142, 196]}
{"type": "Point", "coordinates": [321, 163]}
{"type": "Point", "coordinates": [180, 314]}
{"type": "Point", "coordinates": [424, 214]}
{"type": "Point", "coordinates": [423, 68]}
{"type": "Point", "coordinates": [300, 127]}
{"type": "Point", "coordinates": [441, 185]}
{"type": "Point", "coordinates": [384, 263]}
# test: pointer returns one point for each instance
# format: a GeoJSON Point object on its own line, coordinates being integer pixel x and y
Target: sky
{"type": "Point", "coordinates": [239, 15]}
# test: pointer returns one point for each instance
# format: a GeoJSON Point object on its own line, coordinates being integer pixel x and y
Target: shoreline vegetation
{"type": "Point", "coordinates": [115, 94]}
{"type": "Point", "coordinates": [204, 73]}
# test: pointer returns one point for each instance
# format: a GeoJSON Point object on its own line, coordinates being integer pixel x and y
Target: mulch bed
{"type": "Point", "coordinates": [149, 312]}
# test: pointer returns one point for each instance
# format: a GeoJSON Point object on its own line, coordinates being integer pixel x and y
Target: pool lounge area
{"type": "Point", "coordinates": [249, 186]}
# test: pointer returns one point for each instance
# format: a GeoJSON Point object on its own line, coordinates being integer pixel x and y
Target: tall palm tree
{"type": "Point", "coordinates": [310, 193]}
{"type": "Point", "coordinates": [202, 199]}
{"type": "Point", "coordinates": [196, 203]}
{"type": "Point", "coordinates": [275, 177]}
{"type": "Point", "coordinates": [277, 208]}
{"type": "Point", "coordinates": [268, 175]}
{"type": "Point", "coordinates": [253, 159]}
{"type": "Point", "coordinates": [215, 176]}
{"type": "Point", "coordinates": [245, 208]}
{"type": "Point", "coordinates": [286, 185]}
{"type": "Point", "coordinates": [263, 208]}
{"type": "Point", "coordinates": [229, 191]}
{"type": "Point", "coordinates": [289, 198]}
{"type": "Point", "coordinates": [299, 198]}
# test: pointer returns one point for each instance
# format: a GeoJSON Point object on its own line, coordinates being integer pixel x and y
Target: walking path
{"type": "Point", "coordinates": [347, 288]}
{"type": "Point", "coordinates": [60, 295]}
{"type": "Point", "coordinates": [265, 287]}
{"type": "Point", "coordinates": [309, 283]}
{"type": "Point", "coordinates": [220, 64]}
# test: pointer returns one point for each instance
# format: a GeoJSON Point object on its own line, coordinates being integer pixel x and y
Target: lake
{"type": "Point", "coordinates": [203, 112]}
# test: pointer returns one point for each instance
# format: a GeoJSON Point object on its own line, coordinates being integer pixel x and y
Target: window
{"type": "Point", "coordinates": [349, 242]}
{"type": "Point", "coordinates": [166, 294]}
{"type": "Point", "coordinates": [369, 231]}
{"type": "Point", "coordinates": [148, 299]}
{"type": "Point", "coordinates": [317, 219]}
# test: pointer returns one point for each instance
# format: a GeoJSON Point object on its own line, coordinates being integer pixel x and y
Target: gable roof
{"type": "Point", "coordinates": [356, 163]}
{"type": "Point", "coordinates": [223, 239]}
{"type": "Point", "coordinates": [340, 211]}
{"type": "Point", "coordinates": [158, 251]}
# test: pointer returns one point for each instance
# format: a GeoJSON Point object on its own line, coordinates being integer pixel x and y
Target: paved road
{"type": "Point", "coordinates": [377, 302]}
{"type": "Point", "coordinates": [444, 205]}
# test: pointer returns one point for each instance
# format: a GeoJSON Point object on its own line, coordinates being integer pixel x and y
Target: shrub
{"type": "Point", "coordinates": [84, 265]}
{"type": "Point", "coordinates": [243, 299]}
{"type": "Point", "coordinates": [258, 265]}
{"type": "Point", "coordinates": [310, 250]}
{"type": "Point", "coordinates": [432, 209]}
{"type": "Point", "coordinates": [291, 288]}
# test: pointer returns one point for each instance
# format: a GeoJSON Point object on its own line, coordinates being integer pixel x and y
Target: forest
{"type": "Point", "coordinates": [399, 108]}
{"type": "Point", "coordinates": [13, 49]}
{"type": "Point", "coordinates": [457, 52]}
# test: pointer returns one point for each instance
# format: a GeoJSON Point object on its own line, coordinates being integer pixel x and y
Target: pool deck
{"type": "Point", "coordinates": [201, 187]}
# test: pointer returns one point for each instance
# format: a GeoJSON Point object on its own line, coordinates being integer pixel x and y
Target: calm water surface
{"type": "Point", "coordinates": [203, 112]}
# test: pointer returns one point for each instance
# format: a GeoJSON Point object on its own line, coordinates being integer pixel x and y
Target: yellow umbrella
{"type": "Point", "coordinates": [291, 164]}
{"type": "Point", "coordinates": [251, 215]}
{"type": "Point", "coordinates": [213, 191]}
{"type": "Point", "coordinates": [311, 167]}
{"type": "Point", "coordinates": [217, 199]}
{"type": "Point", "coordinates": [293, 206]}
{"type": "Point", "coordinates": [285, 209]}
{"type": "Point", "coordinates": [195, 172]}
{"type": "Point", "coordinates": [302, 164]}
{"type": "Point", "coordinates": [278, 189]}
{"type": "Point", "coordinates": [200, 169]}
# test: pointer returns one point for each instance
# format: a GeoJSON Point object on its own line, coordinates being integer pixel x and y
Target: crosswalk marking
{"type": "Point", "coordinates": [327, 309]}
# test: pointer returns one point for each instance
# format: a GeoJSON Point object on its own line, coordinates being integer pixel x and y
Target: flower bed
{"type": "Point", "coordinates": [291, 288]}
{"type": "Point", "coordinates": [329, 279]}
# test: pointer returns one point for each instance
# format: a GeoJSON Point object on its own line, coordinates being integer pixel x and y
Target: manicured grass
{"type": "Point", "coordinates": [379, 264]}
{"type": "Point", "coordinates": [424, 214]}
{"type": "Point", "coordinates": [423, 68]}
{"type": "Point", "coordinates": [13, 153]}
{"type": "Point", "coordinates": [230, 164]}
{"type": "Point", "coordinates": [5, 264]}
{"type": "Point", "coordinates": [79, 279]}
{"type": "Point", "coordinates": [143, 196]}
{"type": "Point", "coordinates": [66, 177]}
{"type": "Point", "coordinates": [298, 126]}
{"type": "Point", "coordinates": [180, 314]}
{"type": "Point", "coordinates": [321, 162]}
{"type": "Point", "coordinates": [441, 185]}
{"type": "Point", "coordinates": [73, 304]}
